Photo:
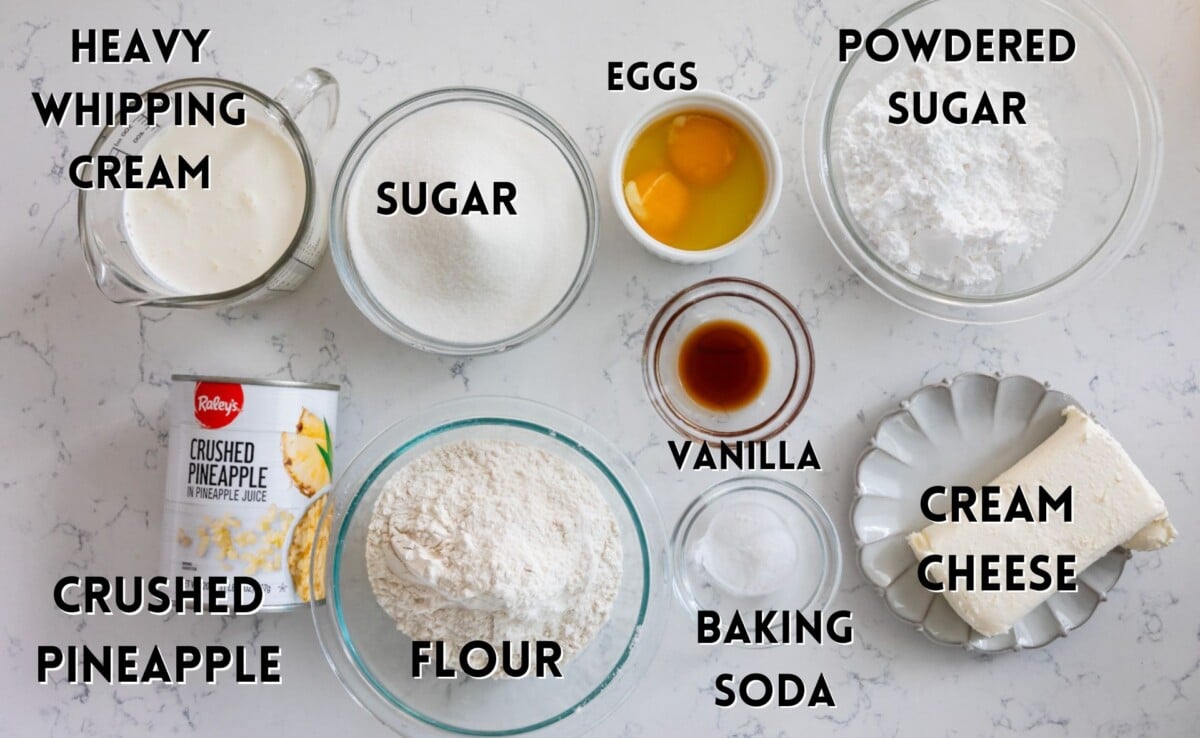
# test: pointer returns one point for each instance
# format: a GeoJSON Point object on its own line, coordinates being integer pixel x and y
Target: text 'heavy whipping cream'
{"type": "Point", "coordinates": [201, 241]}
{"type": "Point", "coordinates": [249, 464]}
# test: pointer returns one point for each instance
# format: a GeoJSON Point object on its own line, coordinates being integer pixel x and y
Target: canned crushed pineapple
{"type": "Point", "coordinates": [249, 465]}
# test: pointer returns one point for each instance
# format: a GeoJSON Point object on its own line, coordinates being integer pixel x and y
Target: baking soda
{"type": "Point", "coordinates": [748, 550]}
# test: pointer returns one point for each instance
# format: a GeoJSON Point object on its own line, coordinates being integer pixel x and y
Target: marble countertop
{"type": "Point", "coordinates": [83, 383]}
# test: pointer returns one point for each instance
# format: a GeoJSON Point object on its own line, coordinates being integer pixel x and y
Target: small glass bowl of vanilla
{"type": "Point", "coordinates": [728, 359]}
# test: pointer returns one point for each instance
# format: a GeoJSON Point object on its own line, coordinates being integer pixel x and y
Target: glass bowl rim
{"type": "Point", "coordinates": [840, 228]}
{"type": "Point", "coordinates": [339, 242]}
{"type": "Point", "coordinates": [779, 308]}
{"type": "Point", "coordinates": [814, 512]}
{"type": "Point", "coordinates": [312, 194]}
{"type": "Point", "coordinates": [336, 643]}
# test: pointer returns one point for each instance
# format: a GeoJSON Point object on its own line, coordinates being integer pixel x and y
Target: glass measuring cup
{"type": "Point", "coordinates": [302, 113]}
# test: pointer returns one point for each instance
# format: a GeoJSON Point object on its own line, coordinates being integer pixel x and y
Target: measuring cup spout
{"type": "Point", "coordinates": [312, 101]}
{"type": "Point", "coordinates": [302, 113]}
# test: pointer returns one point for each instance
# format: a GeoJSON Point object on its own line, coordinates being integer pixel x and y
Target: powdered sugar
{"type": "Point", "coordinates": [494, 541]}
{"type": "Point", "coordinates": [958, 203]}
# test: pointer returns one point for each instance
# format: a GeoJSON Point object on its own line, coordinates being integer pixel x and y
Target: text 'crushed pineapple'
{"type": "Point", "coordinates": [262, 524]}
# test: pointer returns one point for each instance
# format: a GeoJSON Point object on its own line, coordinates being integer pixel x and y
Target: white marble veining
{"type": "Point", "coordinates": [83, 382]}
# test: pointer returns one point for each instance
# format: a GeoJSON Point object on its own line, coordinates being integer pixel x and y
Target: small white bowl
{"type": "Point", "coordinates": [704, 101]}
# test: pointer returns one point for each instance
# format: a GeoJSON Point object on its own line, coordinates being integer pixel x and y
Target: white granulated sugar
{"type": "Point", "coordinates": [959, 203]}
{"type": "Point", "coordinates": [494, 541]}
{"type": "Point", "coordinates": [468, 278]}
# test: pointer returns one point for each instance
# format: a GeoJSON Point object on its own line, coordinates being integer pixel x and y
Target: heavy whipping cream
{"type": "Point", "coordinates": [200, 241]}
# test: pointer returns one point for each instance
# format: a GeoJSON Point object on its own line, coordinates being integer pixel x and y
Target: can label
{"type": "Point", "coordinates": [248, 469]}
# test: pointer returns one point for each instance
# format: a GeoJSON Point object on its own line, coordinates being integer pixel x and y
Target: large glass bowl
{"type": "Point", "coordinates": [373, 660]}
{"type": "Point", "coordinates": [460, 98]}
{"type": "Point", "coordinates": [1099, 107]}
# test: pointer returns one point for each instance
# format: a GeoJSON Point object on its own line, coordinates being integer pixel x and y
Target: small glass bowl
{"type": "Point", "coordinates": [372, 659]}
{"type": "Point", "coordinates": [768, 314]}
{"type": "Point", "coordinates": [1098, 105]}
{"type": "Point", "coordinates": [815, 577]}
{"type": "Point", "coordinates": [461, 96]}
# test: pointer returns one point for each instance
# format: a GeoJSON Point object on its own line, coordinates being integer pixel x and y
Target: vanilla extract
{"type": "Point", "coordinates": [742, 455]}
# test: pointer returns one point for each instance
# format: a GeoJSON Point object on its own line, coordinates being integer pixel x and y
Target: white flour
{"type": "Point", "coordinates": [468, 278]}
{"type": "Point", "coordinates": [960, 203]}
{"type": "Point", "coordinates": [494, 541]}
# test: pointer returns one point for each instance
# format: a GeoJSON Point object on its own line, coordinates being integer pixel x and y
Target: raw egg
{"type": "Point", "coordinates": [694, 180]}
{"type": "Point", "coordinates": [659, 202]}
{"type": "Point", "coordinates": [701, 148]}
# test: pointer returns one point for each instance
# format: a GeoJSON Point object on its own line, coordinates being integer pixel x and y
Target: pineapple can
{"type": "Point", "coordinates": [249, 468]}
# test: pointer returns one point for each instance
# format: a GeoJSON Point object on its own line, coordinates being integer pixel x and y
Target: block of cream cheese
{"type": "Point", "coordinates": [1113, 504]}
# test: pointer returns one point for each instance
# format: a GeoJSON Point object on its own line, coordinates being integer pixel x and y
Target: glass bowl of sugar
{"type": "Point", "coordinates": [464, 221]}
{"type": "Point", "coordinates": [985, 182]}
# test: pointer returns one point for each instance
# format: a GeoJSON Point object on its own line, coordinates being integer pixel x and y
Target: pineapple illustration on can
{"type": "Point", "coordinates": [249, 466]}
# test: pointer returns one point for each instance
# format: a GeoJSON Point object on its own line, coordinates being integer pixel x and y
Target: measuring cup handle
{"type": "Point", "coordinates": [312, 101]}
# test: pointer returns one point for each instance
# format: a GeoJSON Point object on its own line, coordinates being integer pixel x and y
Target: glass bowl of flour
{"type": "Point", "coordinates": [960, 218]}
{"type": "Point", "coordinates": [464, 221]}
{"type": "Point", "coordinates": [611, 638]}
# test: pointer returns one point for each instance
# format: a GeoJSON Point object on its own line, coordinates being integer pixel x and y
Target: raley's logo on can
{"type": "Point", "coordinates": [217, 404]}
{"type": "Point", "coordinates": [248, 465]}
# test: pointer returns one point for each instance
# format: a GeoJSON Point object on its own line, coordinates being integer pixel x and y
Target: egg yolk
{"type": "Point", "coordinates": [658, 200]}
{"type": "Point", "coordinates": [701, 148]}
